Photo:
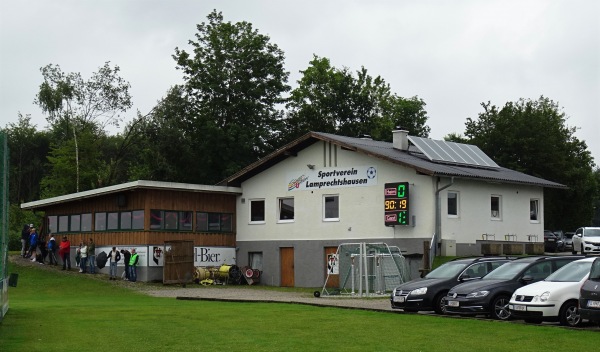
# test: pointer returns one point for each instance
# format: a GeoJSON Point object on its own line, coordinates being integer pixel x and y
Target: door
{"type": "Point", "coordinates": [332, 268]}
{"type": "Point", "coordinates": [287, 266]}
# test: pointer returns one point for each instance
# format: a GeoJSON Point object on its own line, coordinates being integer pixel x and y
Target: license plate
{"type": "Point", "coordinates": [453, 303]}
{"type": "Point", "coordinates": [593, 304]}
{"type": "Point", "coordinates": [550, 240]}
{"type": "Point", "coordinates": [518, 307]}
{"type": "Point", "coordinates": [399, 299]}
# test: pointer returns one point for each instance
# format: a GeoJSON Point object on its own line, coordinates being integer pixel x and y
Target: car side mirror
{"type": "Point", "coordinates": [527, 279]}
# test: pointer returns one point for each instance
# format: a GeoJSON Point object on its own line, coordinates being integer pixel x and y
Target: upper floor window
{"type": "Point", "coordinates": [214, 222]}
{"type": "Point", "coordinates": [257, 211]}
{"type": "Point", "coordinates": [452, 204]}
{"type": "Point", "coordinates": [496, 207]}
{"type": "Point", "coordinates": [124, 220]}
{"type": "Point", "coordinates": [286, 209]}
{"type": "Point", "coordinates": [331, 207]}
{"type": "Point", "coordinates": [534, 208]}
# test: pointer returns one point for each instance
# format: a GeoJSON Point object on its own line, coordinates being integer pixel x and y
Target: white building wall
{"type": "Point", "coordinates": [474, 215]}
{"type": "Point", "coordinates": [361, 208]}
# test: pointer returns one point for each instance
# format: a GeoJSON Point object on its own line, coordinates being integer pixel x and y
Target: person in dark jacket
{"type": "Point", "coordinates": [114, 256]}
{"type": "Point", "coordinates": [33, 240]}
{"type": "Point", "coordinates": [24, 240]}
{"type": "Point", "coordinates": [52, 245]}
{"type": "Point", "coordinates": [126, 258]}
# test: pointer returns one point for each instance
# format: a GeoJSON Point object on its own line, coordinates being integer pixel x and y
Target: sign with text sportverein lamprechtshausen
{"type": "Point", "coordinates": [337, 177]}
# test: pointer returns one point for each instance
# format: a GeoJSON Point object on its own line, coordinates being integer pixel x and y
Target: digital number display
{"type": "Point", "coordinates": [396, 204]}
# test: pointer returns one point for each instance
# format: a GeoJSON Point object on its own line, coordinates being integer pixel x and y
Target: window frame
{"type": "Point", "coordinates": [535, 201]}
{"type": "Point", "coordinates": [214, 215]}
{"type": "Point", "coordinates": [337, 210]}
{"type": "Point", "coordinates": [498, 216]}
{"type": "Point", "coordinates": [172, 222]}
{"type": "Point", "coordinates": [456, 205]}
{"type": "Point", "coordinates": [251, 208]}
{"type": "Point", "coordinates": [280, 202]}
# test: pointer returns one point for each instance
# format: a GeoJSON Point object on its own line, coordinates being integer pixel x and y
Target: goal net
{"type": "Point", "coordinates": [365, 269]}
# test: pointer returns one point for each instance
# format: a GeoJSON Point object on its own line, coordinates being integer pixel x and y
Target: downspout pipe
{"type": "Point", "coordinates": [438, 218]}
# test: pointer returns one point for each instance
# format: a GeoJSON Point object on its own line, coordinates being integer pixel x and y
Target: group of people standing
{"type": "Point", "coordinates": [86, 256]}
{"type": "Point", "coordinates": [31, 242]}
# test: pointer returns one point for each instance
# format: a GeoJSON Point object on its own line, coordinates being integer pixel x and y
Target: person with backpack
{"type": "Point", "coordinates": [52, 250]}
{"type": "Point", "coordinates": [133, 265]}
{"type": "Point", "coordinates": [42, 246]}
{"type": "Point", "coordinates": [114, 257]}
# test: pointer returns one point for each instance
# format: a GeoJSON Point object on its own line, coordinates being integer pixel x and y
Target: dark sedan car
{"type": "Point", "coordinates": [589, 296]}
{"type": "Point", "coordinates": [428, 293]}
{"type": "Point", "coordinates": [552, 243]}
{"type": "Point", "coordinates": [490, 295]}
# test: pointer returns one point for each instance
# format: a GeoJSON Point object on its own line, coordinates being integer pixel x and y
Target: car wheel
{"type": "Point", "coordinates": [499, 308]}
{"type": "Point", "coordinates": [569, 314]}
{"type": "Point", "coordinates": [582, 251]}
{"type": "Point", "coordinates": [439, 306]}
{"type": "Point", "coordinates": [573, 251]}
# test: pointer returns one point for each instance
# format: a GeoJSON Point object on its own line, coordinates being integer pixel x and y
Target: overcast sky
{"type": "Point", "coordinates": [452, 54]}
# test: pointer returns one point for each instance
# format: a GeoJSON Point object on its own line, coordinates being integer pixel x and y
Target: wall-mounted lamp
{"type": "Point", "coordinates": [311, 166]}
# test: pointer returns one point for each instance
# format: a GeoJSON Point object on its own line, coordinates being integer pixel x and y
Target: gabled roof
{"type": "Point", "coordinates": [129, 186]}
{"type": "Point", "coordinates": [384, 150]}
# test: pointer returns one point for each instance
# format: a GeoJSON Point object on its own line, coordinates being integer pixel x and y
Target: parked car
{"type": "Point", "coordinates": [586, 240]}
{"type": "Point", "coordinates": [553, 299]}
{"type": "Point", "coordinates": [428, 293]}
{"type": "Point", "coordinates": [552, 243]}
{"type": "Point", "coordinates": [589, 295]}
{"type": "Point", "coordinates": [490, 295]}
{"type": "Point", "coordinates": [568, 239]}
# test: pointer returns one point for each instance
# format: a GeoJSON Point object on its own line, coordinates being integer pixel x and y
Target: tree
{"type": "Point", "coordinates": [74, 105]}
{"type": "Point", "coordinates": [531, 136]}
{"type": "Point", "coordinates": [28, 149]}
{"type": "Point", "coordinates": [234, 82]}
{"type": "Point", "coordinates": [333, 100]}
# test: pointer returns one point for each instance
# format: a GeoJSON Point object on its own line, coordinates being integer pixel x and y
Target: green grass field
{"type": "Point", "coordinates": [52, 310]}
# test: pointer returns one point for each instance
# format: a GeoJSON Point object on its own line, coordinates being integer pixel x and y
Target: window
{"type": "Point", "coordinates": [286, 209]}
{"type": "Point", "coordinates": [496, 207]}
{"type": "Point", "coordinates": [534, 208]}
{"type": "Point", "coordinates": [63, 223]}
{"type": "Point", "coordinates": [86, 222]}
{"type": "Point", "coordinates": [331, 207]}
{"type": "Point", "coordinates": [100, 222]}
{"type": "Point", "coordinates": [126, 220]}
{"type": "Point", "coordinates": [53, 223]}
{"type": "Point", "coordinates": [257, 211]}
{"type": "Point", "coordinates": [452, 204]}
{"type": "Point", "coordinates": [75, 225]}
{"type": "Point", "coordinates": [214, 222]}
{"type": "Point", "coordinates": [137, 220]}
{"type": "Point", "coordinates": [255, 260]}
{"type": "Point", "coordinates": [170, 220]}
{"type": "Point", "coordinates": [112, 221]}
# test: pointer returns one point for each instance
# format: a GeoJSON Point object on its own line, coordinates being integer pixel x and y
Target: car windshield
{"type": "Point", "coordinates": [595, 271]}
{"type": "Point", "coordinates": [592, 232]}
{"type": "Point", "coordinates": [446, 271]}
{"type": "Point", "coordinates": [572, 272]}
{"type": "Point", "coordinates": [506, 271]}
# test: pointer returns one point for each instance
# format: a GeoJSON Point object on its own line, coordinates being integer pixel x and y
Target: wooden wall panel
{"type": "Point", "coordinates": [148, 199]}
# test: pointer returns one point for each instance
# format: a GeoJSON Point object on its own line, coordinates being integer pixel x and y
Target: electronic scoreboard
{"type": "Point", "coordinates": [396, 204]}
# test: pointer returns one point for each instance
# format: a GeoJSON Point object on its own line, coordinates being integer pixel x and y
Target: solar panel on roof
{"type": "Point", "coordinates": [452, 153]}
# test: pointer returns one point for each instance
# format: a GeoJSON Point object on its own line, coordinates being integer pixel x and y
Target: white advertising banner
{"type": "Point", "coordinates": [338, 177]}
{"type": "Point", "coordinates": [214, 256]}
{"type": "Point", "coordinates": [141, 251]}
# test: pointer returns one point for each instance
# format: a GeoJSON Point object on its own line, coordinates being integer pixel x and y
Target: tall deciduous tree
{"type": "Point", "coordinates": [28, 149]}
{"type": "Point", "coordinates": [75, 106]}
{"type": "Point", "coordinates": [532, 136]}
{"type": "Point", "coordinates": [333, 100]}
{"type": "Point", "coordinates": [234, 80]}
